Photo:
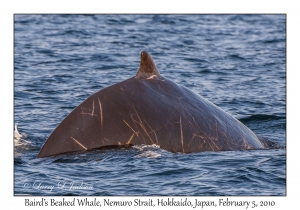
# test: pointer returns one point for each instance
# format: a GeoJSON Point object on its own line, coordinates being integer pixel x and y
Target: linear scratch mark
{"type": "Point", "coordinates": [144, 129]}
{"type": "Point", "coordinates": [88, 114]}
{"type": "Point", "coordinates": [101, 112]}
{"type": "Point", "coordinates": [92, 114]}
{"type": "Point", "coordinates": [136, 133]}
{"type": "Point", "coordinates": [93, 108]}
{"type": "Point", "coordinates": [181, 135]}
{"type": "Point", "coordinates": [101, 118]}
{"type": "Point", "coordinates": [142, 125]}
{"type": "Point", "coordinates": [152, 131]}
{"type": "Point", "coordinates": [128, 142]}
{"type": "Point", "coordinates": [79, 143]}
{"type": "Point", "coordinates": [214, 144]}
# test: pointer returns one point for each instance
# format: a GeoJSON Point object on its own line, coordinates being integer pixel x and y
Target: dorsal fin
{"type": "Point", "coordinates": [147, 67]}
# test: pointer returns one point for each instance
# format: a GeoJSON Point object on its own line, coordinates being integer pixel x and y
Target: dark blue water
{"type": "Point", "coordinates": [237, 62]}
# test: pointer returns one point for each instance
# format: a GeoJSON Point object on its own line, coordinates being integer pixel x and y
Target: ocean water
{"type": "Point", "coordinates": [238, 62]}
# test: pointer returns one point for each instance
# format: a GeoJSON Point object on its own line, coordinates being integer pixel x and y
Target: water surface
{"type": "Point", "coordinates": [238, 62]}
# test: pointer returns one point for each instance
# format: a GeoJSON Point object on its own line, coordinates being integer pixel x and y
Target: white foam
{"type": "Point", "coordinates": [19, 138]}
{"type": "Point", "coordinates": [147, 151]}
{"type": "Point", "coordinates": [17, 135]}
{"type": "Point", "coordinates": [20, 144]}
{"type": "Point", "coordinates": [148, 154]}
{"type": "Point", "coordinates": [144, 147]}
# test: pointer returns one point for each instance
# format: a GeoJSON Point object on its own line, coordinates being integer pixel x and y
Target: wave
{"type": "Point", "coordinates": [148, 151]}
{"type": "Point", "coordinates": [20, 143]}
{"type": "Point", "coordinates": [148, 154]}
{"type": "Point", "coordinates": [17, 135]}
{"type": "Point", "coordinates": [261, 117]}
{"type": "Point", "coordinates": [270, 144]}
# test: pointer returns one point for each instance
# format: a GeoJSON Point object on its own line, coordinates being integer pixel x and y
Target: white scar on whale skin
{"type": "Point", "coordinates": [152, 131]}
{"type": "Point", "coordinates": [79, 143]}
{"type": "Point", "coordinates": [128, 142]}
{"type": "Point", "coordinates": [92, 114]}
{"type": "Point", "coordinates": [140, 122]}
{"type": "Point", "coordinates": [93, 109]}
{"type": "Point", "coordinates": [136, 133]}
{"type": "Point", "coordinates": [152, 77]}
{"type": "Point", "coordinates": [101, 116]}
{"type": "Point", "coordinates": [181, 135]}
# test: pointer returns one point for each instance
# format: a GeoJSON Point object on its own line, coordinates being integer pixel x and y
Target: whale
{"type": "Point", "coordinates": [149, 109]}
